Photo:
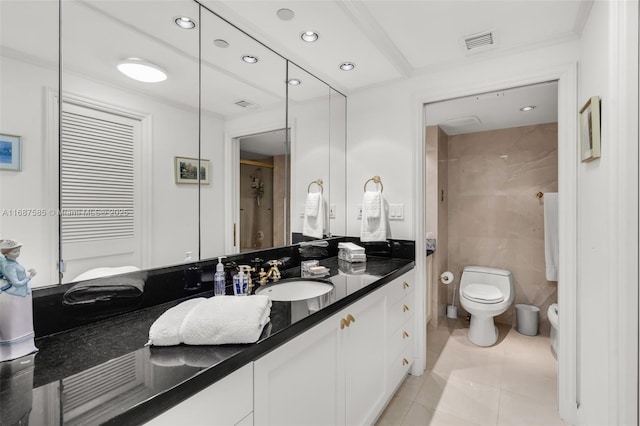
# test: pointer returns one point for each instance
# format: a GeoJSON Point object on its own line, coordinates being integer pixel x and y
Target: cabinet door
{"type": "Point", "coordinates": [300, 383]}
{"type": "Point", "coordinates": [364, 354]}
{"type": "Point", "coordinates": [226, 402]}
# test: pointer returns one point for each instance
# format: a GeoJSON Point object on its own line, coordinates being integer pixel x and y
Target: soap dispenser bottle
{"type": "Point", "coordinates": [192, 275]}
{"type": "Point", "coordinates": [219, 281]}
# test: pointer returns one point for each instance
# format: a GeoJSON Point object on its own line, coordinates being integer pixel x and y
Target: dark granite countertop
{"type": "Point", "coordinates": [103, 373]}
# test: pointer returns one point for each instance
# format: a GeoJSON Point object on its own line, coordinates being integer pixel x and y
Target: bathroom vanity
{"type": "Point", "coordinates": [347, 358]}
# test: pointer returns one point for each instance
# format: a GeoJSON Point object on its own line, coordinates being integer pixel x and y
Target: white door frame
{"type": "Point", "coordinates": [232, 177]}
{"type": "Point", "coordinates": [567, 192]}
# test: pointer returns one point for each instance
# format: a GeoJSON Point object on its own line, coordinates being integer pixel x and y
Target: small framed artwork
{"type": "Point", "coordinates": [10, 152]}
{"type": "Point", "coordinates": [186, 170]}
{"type": "Point", "coordinates": [590, 130]}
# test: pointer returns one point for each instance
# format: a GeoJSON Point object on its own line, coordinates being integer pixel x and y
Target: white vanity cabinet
{"type": "Point", "coordinates": [343, 370]}
{"type": "Point", "coordinates": [228, 401]}
{"type": "Point", "coordinates": [400, 328]}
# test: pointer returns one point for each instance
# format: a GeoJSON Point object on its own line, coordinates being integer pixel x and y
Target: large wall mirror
{"type": "Point", "coordinates": [125, 172]}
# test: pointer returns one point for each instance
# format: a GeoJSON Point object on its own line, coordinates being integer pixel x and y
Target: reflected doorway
{"type": "Point", "coordinates": [263, 171]}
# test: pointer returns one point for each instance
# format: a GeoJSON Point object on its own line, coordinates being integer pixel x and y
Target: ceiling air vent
{"type": "Point", "coordinates": [480, 41]}
{"type": "Point", "coordinates": [243, 103]}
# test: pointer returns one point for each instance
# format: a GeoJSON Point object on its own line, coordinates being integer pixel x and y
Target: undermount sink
{"type": "Point", "coordinates": [291, 290]}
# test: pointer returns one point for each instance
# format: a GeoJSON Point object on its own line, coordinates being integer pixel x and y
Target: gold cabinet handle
{"type": "Point", "coordinates": [350, 319]}
{"type": "Point", "coordinates": [405, 284]}
{"type": "Point", "coordinates": [405, 334]}
{"type": "Point", "coordinates": [405, 361]}
{"type": "Point", "coordinates": [343, 323]}
{"type": "Point", "coordinates": [405, 308]}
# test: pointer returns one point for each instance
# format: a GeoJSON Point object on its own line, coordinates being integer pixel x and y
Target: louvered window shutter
{"type": "Point", "coordinates": [97, 176]}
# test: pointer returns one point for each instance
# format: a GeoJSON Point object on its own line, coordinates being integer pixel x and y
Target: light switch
{"type": "Point", "coordinates": [332, 211]}
{"type": "Point", "coordinates": [396, 211]}
{"type": "Point", "coordinates": [359, 210]}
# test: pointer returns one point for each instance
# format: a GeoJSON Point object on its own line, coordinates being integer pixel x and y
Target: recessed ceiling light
{"type": "Point", "coordinates": [185, 22]}
{"type": "Point", "coordinates": [528, 108]}
{"type": "Point", "coordinates": [140, 70]}
{"type": "Point", "coordinates": [285, 14]}
{"type": "Point", "coordinates": [250, 59]}
{"type": "Point", "coordinates": [295, 82]}
{"type": "Point", "coordinates": [309, 36]}
{"type": "Point", "coordinates": [221, 43]}
{"type": "Point", "coordinates": [347, 66]}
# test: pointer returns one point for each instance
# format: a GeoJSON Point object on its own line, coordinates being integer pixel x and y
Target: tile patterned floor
{"type": "Point", "coordinates": [510, 383]}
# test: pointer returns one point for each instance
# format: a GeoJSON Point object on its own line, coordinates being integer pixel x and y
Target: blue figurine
{"type": "Point", "coordinates": [12, 272]}
{"type": "Point", "coordinates": [16, 305]}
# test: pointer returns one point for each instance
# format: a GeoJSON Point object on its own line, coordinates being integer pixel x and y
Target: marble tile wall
{"type": "Point", "coordinates": [437, 222]}
{"type": "Point", "coordinates": [495, 218]}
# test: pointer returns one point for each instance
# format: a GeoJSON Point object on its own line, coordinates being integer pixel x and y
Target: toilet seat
{"type": "Point", "coordinates": [483, 293]}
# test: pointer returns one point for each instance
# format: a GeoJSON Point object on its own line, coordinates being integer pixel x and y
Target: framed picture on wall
{"type": "Point", "coordinates": [590, 130]}
{"type": "Point", "coordinates": [10, 152]}
{"type": "Point", "coordinates": [186, 170]}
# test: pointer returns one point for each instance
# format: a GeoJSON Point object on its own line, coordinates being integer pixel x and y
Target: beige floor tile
{"type": "Point", "coordinates": [467, 400]}
{"type": "Point", "coordinates": [410, 387]}
{"type": "Point", "coordinates": [395, 412]}
{"type": "Point", "coordinates": [419, 415]}
{"type": "Point", "coordinates": [516, 410]}
{"type": "Point", "coordinates": [472, 365]}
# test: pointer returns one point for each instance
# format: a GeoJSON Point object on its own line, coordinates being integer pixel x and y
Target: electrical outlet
{"type": "Point", "coordinates": [332, 211]}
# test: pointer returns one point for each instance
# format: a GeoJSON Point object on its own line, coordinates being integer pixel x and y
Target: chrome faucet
{"type": "Point", "coordinates": [273, 274]}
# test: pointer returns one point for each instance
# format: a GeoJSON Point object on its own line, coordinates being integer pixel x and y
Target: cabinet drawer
{"type": "Point", "coordinates": [401, 337]}
{"type": "Point", "coordinates": [401, 286]}
{"type": "Point", "coordinates": [398, 367]}
{"type": "Point", "coordinates": [400, 311]}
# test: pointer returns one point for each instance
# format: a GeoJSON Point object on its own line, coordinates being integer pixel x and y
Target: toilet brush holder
{"type": "Point", "coordinates": [452, 311]}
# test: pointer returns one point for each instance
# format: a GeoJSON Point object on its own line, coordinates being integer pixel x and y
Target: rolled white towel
{"type": "Point", "coordinates": [165, 331]}
{"type": "Point", "coordinates": [223, 320]}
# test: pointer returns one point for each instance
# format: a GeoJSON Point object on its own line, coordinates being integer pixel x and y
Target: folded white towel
{"type": "Point", "coordinates": [312, 204]}
{"type": "Point", "coordinates": [372, 204]}
{"type": "Point", "coordinates": [313, 226]}
{"type": "Point", "coordinates": [373, 228]}
{"type": "Point", "coordinates": [222, 320]}
{"type": "Point", "coordinates": [165, 331]}
{"type": "Point", "coordinates": [351, 248]}
{"type": "Point", "coordinates": [214, 321]}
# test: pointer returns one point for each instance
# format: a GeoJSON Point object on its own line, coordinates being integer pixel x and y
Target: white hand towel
{"type": "Point", "coordinates": [313, 226]}
{"type": "Point", "coordinates": [223, 320]}
{"type": "Point", "coordinates": [373, 228]}
{"type": "Point", "coordinates": [372, 204]}
{"type": "Point", "coordinates": [551, 239]}
{"type": "Point", "coordinates": [165, 331]}
{"type": "Point", "coordinates": [312, 204]}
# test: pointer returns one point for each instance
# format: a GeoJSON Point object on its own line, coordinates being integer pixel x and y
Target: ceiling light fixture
{"type": "Point", "coordinates": [347, 66]}
{"type": "Point", "coordinates": [285, 14]}
{"type": "Point", "coordinates": [221, 43]}
{"type": "Point", "coordinates": [309, 36]}
{"type": "Point", "coordinates": [295, 82]}
{"type": "Point", "coordinates": [143, 71]}
{"type": "Point", "coordinates": [250, 59]}
{"type": "Point", "coordinates": [528, 108]}
{"type": "Point", "coordinates": [185, 22]}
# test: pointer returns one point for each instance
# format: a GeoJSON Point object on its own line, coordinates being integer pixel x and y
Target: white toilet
{"type": "Point", "coordinates": [485, 293]}
{"type": "Point", "coordinates": [552, 314]}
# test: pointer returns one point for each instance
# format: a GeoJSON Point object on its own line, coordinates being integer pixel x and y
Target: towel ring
{"type": "Point", "coordinates": [317, 182]}
{"type": "Point", "coordinates": [375, 179]}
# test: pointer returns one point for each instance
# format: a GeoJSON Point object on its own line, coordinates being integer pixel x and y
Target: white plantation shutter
{"type": "Point", "coordinates": [98, 175]}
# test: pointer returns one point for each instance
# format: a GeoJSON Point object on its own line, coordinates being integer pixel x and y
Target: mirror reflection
{"type": "Point", "coordinates": [147, 173]}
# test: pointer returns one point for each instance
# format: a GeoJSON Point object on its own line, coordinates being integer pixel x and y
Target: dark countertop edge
{"type": "Point", "coordinates": [166, 400]}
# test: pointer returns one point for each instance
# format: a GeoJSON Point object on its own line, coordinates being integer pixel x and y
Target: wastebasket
{"type": "Point", "coordinates": [527, 319]}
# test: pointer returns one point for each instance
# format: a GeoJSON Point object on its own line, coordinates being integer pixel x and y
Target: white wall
{"type": "Point", "coordinates": [607, 220]}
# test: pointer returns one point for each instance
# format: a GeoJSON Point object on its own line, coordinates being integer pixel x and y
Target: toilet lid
{"type": "Point", "coordinates": [483, 293]}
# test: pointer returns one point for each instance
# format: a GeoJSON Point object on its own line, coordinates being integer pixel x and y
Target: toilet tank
{"type": "Point", "coordinates": [501, 278]}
